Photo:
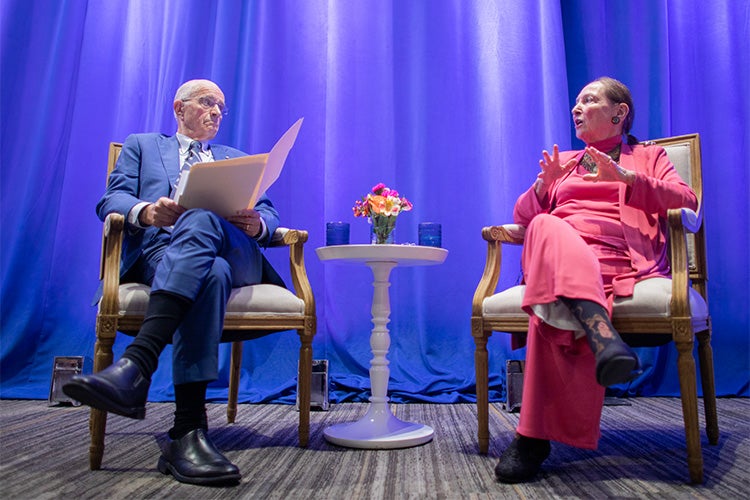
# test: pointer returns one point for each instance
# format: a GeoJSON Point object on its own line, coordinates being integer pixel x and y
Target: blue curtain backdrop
{"type": "Point", "coordinates": [449, 102]}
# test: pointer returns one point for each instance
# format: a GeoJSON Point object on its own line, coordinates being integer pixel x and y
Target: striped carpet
{"type": "Point", "coordinates": [43, 454]}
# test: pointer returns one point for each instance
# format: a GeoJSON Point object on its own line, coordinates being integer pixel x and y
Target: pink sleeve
{"type": "Point", "coordinates": [528, 206]}
{"type": "Point", "coordinates": [657, 186]}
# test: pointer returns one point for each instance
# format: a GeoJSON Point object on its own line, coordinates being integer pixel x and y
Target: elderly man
{"type": "Point", "coordinates": [191, 259]}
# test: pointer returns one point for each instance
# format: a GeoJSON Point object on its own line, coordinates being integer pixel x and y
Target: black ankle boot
{"type": "Point", "coordinates": [522, 459]}
{"type": "Point", "coordinates": [195, 459]}
{"type": "Point", "coordinates": [616, 362]}
{"type": "Point", "coordinates": [120, 388]}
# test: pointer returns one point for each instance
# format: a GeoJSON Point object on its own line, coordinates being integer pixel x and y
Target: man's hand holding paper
{"type": "Point", "coordinates": [163, 212]}
{"type": "Point", "coordinates": [248, 221]}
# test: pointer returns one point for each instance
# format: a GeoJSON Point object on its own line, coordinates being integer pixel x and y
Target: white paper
{"type": "Point", "coordinates": [226, 186]}
{"type": "Point", "coordinates": [278, 154]}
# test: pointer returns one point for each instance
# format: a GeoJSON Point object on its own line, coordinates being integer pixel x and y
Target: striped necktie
{"type": "Point", "coordinates": [193, 157]}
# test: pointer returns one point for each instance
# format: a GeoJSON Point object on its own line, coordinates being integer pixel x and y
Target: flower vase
{"type": "Point", "coordinates": [381, 230]}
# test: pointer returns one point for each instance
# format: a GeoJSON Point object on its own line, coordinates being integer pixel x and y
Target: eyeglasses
{"type": "Point", "coordinates": [210, 102]}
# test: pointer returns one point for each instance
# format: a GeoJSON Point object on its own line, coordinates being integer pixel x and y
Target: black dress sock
{"type": "Point", "coordinates": [190, 409]}
{"type": "Point", "coordinates": [164, 314]}
{"type": "Point", "coordinates": [595, 322]}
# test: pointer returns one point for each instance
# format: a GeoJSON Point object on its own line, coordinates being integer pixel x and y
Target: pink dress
{"type": "Point", "coordinates": [578, 246]}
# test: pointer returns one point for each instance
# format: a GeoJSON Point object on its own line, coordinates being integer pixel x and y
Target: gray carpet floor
{"type": "Point", "coordinates": [43, 454]}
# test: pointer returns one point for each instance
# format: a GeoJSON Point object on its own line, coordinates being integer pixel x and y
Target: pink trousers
{"type": "Point", "coordinates": [561, 398]}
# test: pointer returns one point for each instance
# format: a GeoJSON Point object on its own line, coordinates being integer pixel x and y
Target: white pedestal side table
{"type": "Point", "coordinates": [379, 428]}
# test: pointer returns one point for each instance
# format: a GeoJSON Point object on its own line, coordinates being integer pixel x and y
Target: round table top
{"type": "Point", "coordinates": [403, 255]}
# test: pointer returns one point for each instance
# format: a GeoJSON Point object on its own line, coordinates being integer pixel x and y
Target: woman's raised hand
{"type": "Point", "coordinates": [607, 170]}
{"type": "Point", "coordinates": [551, 169]}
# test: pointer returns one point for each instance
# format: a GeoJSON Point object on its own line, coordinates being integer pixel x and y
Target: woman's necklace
{"type": "Point", "coordinates": [589, 164]}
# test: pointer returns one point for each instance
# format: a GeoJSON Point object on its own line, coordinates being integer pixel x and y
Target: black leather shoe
{"type": "Point", "coordinates": [616, 364]}
{"type": "Point", "coordinates": [194, 459]}
{"type": "Point", "coordinates": [120, 388]}
{"type": "Point", "coordinates": [522, 459]}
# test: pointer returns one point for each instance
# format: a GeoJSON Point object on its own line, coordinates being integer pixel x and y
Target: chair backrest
{"type": "Point", "coordinates": [684, 152]}
{"type": "Point", "coordinates": [114, 153]}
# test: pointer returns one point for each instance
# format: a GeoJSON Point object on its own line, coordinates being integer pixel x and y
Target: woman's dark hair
{"type": "Point", "coordinates": [618, 92]}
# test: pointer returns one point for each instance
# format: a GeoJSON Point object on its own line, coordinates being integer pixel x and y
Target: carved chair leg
{"type": "Point", "coordinates": [97, 429]}
{"type": "Point", "coordinates": [234, 381]}
{"type": "Point", "coordinates": [706, 360]}
{"type": "Point", "coordinates": [482, 383]}
{"type": "Point", "coordinates": [105, 338]}
{"type": "Point", "coordinates": [305, 384]}
{"type": "Point", "coordinates": [689, 397]}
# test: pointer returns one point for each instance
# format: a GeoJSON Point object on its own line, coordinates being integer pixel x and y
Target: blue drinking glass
{"type": "Point", "coordinates": [430, 234]}
{"type": "Point", "coordinates": [337, 233]}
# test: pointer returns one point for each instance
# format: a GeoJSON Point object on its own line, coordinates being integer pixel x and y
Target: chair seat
{"type": "Point", "coordinates": [263, 299]}
{"type": "Point", "coordinates": [651, 299]}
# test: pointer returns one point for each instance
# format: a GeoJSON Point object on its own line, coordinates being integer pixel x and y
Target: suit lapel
{"type": "Point", "coordinates": [169, 150]}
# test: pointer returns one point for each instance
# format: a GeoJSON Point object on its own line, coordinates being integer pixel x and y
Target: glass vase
{"type": "Point", "coordinates": [382, 229]}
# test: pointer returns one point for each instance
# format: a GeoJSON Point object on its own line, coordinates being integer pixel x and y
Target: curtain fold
{"type": "Point", "coordinates": [449, 102]}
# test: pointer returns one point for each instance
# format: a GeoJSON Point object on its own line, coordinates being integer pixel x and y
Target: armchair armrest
{"type": "Point", "coordinates": [277, 239]}
{"type": "Point", "coordinates": [495, 236]}
{"type": "Point", "coordinates": [109, 272]}
{"type": "Point", "coordinates": [507, 233]}
{"type": "Point", "coordinates": [681, 221]}
{"type": "Point", "coordinates": [691, 220]}
{"type": "Point", "coordinates": [295, 240]}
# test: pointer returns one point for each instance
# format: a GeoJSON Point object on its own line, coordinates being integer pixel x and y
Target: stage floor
{"type": "Point", "coordinates": [44, 454]}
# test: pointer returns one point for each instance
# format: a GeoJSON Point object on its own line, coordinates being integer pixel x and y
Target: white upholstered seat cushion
{"type": "Point", "coordinates": [650, 299]}
{"type": "Point", "coordinates": [254, 299]}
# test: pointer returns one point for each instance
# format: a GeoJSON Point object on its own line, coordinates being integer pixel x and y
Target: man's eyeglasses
{"type": "Point", "coordinates": [210, 102]}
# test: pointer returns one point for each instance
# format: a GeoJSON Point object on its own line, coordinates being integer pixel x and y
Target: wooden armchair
{"type": "Point", "coordinates": [252, 312]}
{"type": "Point", "coordinates": [661, 310]}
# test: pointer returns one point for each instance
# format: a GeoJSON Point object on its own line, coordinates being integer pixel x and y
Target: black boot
{"type": "Point", "coordinates": [120, 388]}
{"type": "Point", "coordinates": [522, 459]}
{"type": "Point", "coordinates": [194, 459]}
{"type": "Point", "coordinates": [615, 360]}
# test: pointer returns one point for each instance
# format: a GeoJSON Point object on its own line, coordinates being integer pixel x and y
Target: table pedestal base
{"type": "Point", "coordinates": [378, 429]}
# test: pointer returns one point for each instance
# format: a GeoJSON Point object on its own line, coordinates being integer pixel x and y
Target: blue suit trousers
{"type": "Point", "coordinates": [202, 259]}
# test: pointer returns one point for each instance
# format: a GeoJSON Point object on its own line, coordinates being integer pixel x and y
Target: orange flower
{"type": "Point", "coordinates": [378, 204]}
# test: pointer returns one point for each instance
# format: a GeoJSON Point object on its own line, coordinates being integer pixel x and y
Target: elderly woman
{"type": "Point", "coordinates": [596, 225]}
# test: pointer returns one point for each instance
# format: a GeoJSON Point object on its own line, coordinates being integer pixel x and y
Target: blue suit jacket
{"type": "Point", "coordinates": [146, 170]}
